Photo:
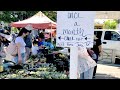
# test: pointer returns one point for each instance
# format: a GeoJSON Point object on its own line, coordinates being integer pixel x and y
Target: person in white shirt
{"type": "Point", "coordinates": [20, 57]}
{"type": "Point", "coordinates": [35, 48]}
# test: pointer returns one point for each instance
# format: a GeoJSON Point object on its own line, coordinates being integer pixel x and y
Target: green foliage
{"type": "Point", "coordinates": [14, 30]}
{"type": "Point", "coordinates": [51, 14]}
{"type": "Point", "coordinates": [110, 24]}
{"type": "Point", "coordinates": [13, 16]}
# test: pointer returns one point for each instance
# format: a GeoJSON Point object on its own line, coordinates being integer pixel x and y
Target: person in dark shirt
{"type": "Point", "coordinates": [41, 42]}
{"type": "Point", "coordinates": [97, 48]}
{"type": "Point", "coordinates": [28, 47]}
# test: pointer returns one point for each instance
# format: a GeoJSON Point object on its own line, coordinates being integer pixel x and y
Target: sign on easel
{"type": "Point", "coordinates": [75, 29]}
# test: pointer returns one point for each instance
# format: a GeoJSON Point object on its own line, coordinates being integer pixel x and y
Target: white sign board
{"type": "Point", "coordinates": [75, 28]}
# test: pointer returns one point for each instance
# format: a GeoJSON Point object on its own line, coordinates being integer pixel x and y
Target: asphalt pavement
{"type": "Point", "coordinates": [107, 70]}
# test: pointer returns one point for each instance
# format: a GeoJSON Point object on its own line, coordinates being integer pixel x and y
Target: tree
{"type": "Point", "coordinates": [51, 14]}
{"type": "Point", "coordinates": [110, 24]}
{"type": "Point", "coordinates": [13, 16]}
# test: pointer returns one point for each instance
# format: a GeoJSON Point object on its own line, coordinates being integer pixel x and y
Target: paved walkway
{"type": "Point", "coordinates": [106, 70]}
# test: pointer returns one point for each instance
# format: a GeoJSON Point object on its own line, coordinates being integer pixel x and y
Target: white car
{"type": "Point", "coordinates": [110, 39]}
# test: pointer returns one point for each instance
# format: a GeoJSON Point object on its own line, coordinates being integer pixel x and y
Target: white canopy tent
{"type": "Point", "coordinates": [38, 21]}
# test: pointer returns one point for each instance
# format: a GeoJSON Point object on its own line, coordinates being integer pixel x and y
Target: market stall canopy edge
{"type": "Point", "coordinates": [38, 21]}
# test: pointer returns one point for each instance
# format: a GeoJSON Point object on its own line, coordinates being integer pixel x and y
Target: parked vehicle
{"type": "Point", "coordinates": [110, 39]}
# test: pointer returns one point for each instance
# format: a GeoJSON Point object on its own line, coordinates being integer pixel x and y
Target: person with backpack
{"type": "Point", "coordinates": [20, 57]}
{"type": "Point", "coordinates": [28, 47]}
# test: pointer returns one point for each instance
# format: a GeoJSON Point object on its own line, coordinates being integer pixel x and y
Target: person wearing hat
{"type": "Point", "coordinates": [28, 47]}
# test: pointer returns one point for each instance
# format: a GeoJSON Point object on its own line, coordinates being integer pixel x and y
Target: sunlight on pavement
{"type": "Point", "coordinates": [108, 71]}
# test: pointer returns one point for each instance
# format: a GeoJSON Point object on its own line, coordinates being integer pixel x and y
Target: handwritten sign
{"type": "Point", "coordinates": [75, 28]}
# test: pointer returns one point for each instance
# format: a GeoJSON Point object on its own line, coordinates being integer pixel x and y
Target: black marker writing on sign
{"type": "Point", "coordinates": [74, 15]}
{"type": "Point", "coordinates": [76, 24]}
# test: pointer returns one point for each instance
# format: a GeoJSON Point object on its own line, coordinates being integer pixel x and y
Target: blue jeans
{"type": "Point", "coordinates": [15, 59]}
{"type": "Point", "coordinates": [87, 75]}
{"type": "Point", "coordinates": [6, 66]}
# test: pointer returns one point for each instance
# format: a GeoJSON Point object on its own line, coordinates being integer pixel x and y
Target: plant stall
{"type": "Point", "coordinates": [46, 65]}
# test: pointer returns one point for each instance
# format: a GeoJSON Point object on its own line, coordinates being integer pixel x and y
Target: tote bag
{"type": "Point", "coordinates": [12, 49]}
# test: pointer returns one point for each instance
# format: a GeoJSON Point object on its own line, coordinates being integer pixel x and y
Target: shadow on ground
{"type": "Point", "coordinates": [104, 76]}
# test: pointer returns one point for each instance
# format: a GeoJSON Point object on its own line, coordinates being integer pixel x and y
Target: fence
{"type": "Point", "coordinates": [108, 54]}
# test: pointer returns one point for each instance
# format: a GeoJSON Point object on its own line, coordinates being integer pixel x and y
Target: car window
{"type": "Point", "coordinates": [112, 35]}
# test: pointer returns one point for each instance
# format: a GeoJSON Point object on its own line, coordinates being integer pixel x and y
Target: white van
{"type": "Point", "coordinates": [110, 39]}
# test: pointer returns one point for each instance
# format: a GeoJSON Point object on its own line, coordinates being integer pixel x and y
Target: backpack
{"type": "Point", "coordinates": [12, 49]}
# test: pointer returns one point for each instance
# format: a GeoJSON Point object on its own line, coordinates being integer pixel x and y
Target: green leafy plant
{"type": "Point", "coordinates": [110, 24]}
{"type": "Point", "coordinates": [13, 16]}
{"type": "Point", "coordinates": [14, 30]}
